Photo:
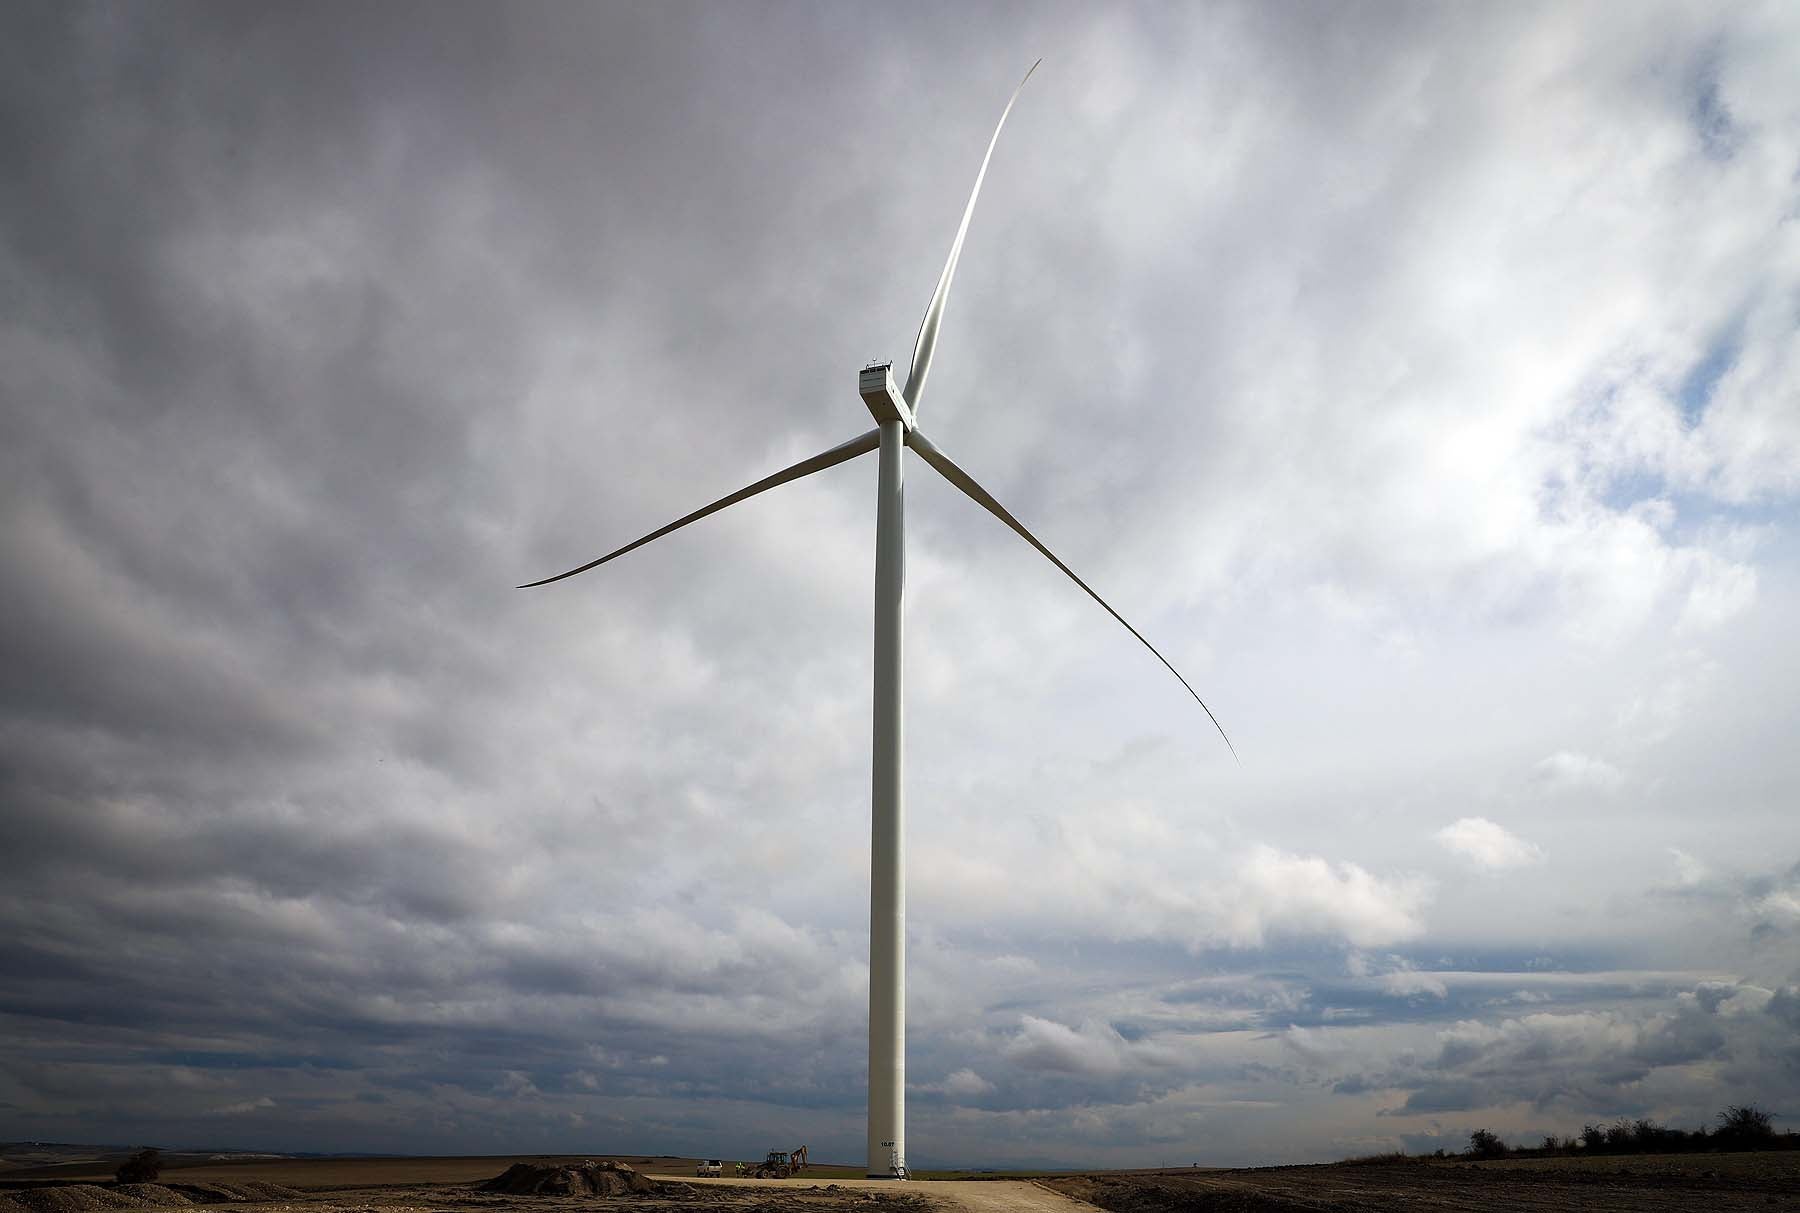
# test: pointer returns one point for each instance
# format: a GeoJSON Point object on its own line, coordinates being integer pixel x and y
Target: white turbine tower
{"type": "Point", "coordinates": [896, 414]}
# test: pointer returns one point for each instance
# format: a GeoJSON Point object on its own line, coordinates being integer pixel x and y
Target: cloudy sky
{"type": "Point", "coordinates": [1420, 378]}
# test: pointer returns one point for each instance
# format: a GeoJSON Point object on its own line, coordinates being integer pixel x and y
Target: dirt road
{"type": "Point", "coordinates": [953, 1195]}
{"type": "Point", "coordinates": [1001, 1196]}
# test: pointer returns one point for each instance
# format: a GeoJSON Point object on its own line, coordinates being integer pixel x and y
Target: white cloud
{"type": "Point", "coordinates": [242, 1107]}
{"type": "Point", "coordinates": [1277, 893]}
{"type": "Point", "coordinates": [1092, 1049]}
{"type": "Point", "coordinates": [1678, 685]}
{"type": "Point", "coordinates": [964, 1083]}
{"type": "Point", "coordinates": [1779, 905]}
{"type": "Point", "coordinates": [516, 1084]}
{"type": "Point", "coordinates": [1134, 874]}
{"type": "Point", "coordinates": [1409, 983]}
{"type": "Point", "coordinates": [1486, 844]}
{"type": "Point", "coordinates": [1566, 770]}
{"type": "Point", "coordinates": [1688, 870]}
{"type": "Point", "coordinates": [1720, 591]}
{"type": "Point", "coordinates": [1395, 975]}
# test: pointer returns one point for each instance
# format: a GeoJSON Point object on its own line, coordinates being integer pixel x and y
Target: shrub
{"type": "Point", "coordinates": [141, 1168]}
{"type": "Point", "coordinates": [1745, 1123]}
{"type": "Point", "coordinates": [1649, 1137]}
{"type": "Point", "coordinates": [1484, 1144]}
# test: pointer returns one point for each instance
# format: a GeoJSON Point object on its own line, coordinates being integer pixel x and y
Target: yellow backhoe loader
{"type": "Point", "coordinates": [781, 1164]}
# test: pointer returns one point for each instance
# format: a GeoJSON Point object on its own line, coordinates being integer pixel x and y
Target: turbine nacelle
{"type": "Point", "coordinates": [878, 390]}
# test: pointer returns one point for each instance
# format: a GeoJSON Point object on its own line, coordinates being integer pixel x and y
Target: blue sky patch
{"type": "Point", "coordinates": [1696, 391]}
{"type": "Point", "coordinates": [1711, 117]}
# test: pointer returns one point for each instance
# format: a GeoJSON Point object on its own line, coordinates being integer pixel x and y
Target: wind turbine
{"type": "Point", "coordinates": [896, 428]}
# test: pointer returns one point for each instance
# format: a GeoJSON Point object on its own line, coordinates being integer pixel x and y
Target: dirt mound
{"type": "Point", "coordinates": [568, 1179]}
{"type": "Point", "coordinates": [92, 1199]}
{"type": "Point", "coordinates": [218, 1192]}
{"type": "Point", "coordinates": [152, 1194]}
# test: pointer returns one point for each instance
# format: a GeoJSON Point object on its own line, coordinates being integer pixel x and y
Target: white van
{"type": "Point", "coordinates": [709, 1166]}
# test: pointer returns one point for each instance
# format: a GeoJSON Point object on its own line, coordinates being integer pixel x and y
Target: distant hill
{"type": "Point", "coordinates": [21, 1160]}
{"type": "Point", "coordinates": [50, 1153]}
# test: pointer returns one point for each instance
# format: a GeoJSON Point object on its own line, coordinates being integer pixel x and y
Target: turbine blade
{"type": "Point", "coordinates": [946, 467]}
{"type": "Point", "coordinates": [861, 445]}
{"type": "Point", "coordinates": [928, 330]}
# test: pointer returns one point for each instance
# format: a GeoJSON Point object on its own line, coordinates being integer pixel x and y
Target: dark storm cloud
{"type": "Point", "coordinates": [267, 268]}
{"type": "Point", "coordinates": [1767, 903]}
{"type": "Point", "coordinates": [1626, 1058]}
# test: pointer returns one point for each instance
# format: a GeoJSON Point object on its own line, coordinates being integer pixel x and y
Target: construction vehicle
{"type": "Point", "coordinates": [781, 1164]}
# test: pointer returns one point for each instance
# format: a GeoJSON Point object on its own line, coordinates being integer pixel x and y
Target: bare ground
{"type": "Point", "coordinates": [186, 1190]}
{"type": "Point", "coordinates": [1766, 1181]}
{"type": "Point", "coordinates": [1609, 1185]}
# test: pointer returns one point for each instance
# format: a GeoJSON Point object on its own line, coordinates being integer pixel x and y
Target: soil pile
{"type": "Point", "coordinates": [218, 1192]}
{"type": "Point", "coordinates": [90, 1198]}
{"type": "Point", "coordinates": [569, 1179]}
{"type": "Point", "coordinates": [152, 1194]}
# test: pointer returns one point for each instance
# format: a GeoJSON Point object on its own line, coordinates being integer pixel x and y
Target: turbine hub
{"type": "Point", "coordinates": [876, 386]}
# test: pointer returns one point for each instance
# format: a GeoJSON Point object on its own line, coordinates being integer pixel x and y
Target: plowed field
{"type": "Point", "coordinates": [1764, 1182]}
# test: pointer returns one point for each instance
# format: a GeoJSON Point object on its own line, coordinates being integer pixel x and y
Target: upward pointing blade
{"type": "Point", "coordinates": [860, 445]}
{"type": "Point", "coordinates": [928, 331]}
{"type": "Point", "coordinates": [962, 480]}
